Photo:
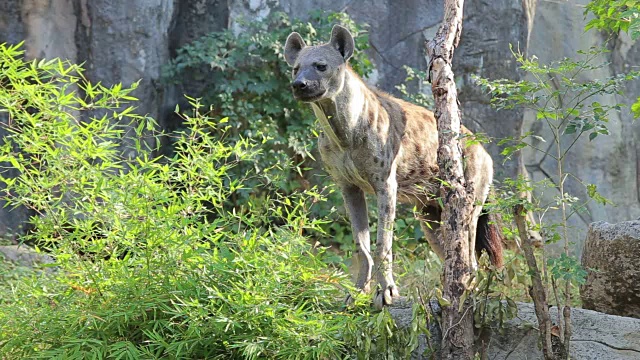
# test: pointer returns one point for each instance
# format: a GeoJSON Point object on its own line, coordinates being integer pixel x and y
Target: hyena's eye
{"type": "Point", "coordinates": [321, 67]}
{"type": "Point", "coordinates": [295, 70]}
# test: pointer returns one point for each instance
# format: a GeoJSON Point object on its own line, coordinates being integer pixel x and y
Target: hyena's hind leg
{"type": "Point", "coordinates": [429, 218]}
{"type": "Point", "coordinates": [356, 205]}
{"type": "Point", "coordinates": [483, 234]}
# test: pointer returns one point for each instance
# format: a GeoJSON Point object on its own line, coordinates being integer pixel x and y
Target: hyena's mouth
{"type": "Point", "coordinates": [308, 96]}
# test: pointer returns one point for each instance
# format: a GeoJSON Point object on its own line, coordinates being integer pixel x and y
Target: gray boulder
{"type": "Point", "coordinates": [612, 258]}
{"type": "Point", "coordinates": [24, 256]}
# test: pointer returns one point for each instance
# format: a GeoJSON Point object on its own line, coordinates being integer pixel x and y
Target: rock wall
{"type": "Point", "coordinates": [124, 41]}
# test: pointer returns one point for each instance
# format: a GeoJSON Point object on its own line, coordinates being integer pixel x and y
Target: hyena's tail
{"type": "Point", "coordinates": [489, 238]}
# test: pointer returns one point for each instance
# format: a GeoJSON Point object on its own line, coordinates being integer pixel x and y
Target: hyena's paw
{"type": "Point", "coordinates": [350, 299]}
{"type": "Point", "coordinates": [384, 296]}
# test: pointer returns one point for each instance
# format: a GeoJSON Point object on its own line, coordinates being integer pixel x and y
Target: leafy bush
{"type": "Point", "coordinates": [149, 264]}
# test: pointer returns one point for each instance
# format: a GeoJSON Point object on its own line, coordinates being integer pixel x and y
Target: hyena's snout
{"type": "Point", "coordinates": [305, 89]}
{"type": "Point", "coordinates": [299, 85]}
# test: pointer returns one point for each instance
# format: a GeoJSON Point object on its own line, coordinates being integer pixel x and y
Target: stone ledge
{"type": "Point", "coordinates": [596, 336]}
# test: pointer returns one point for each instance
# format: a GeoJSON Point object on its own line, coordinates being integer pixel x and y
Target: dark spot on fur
{"type": "Point", "coordinates": [418, 148]}
{"type": "Point", "coordinates": [375, 159]}
{"type": "Point", "coordinates": [370, 113]}
{"type": "Point", "coordinates": [393, 109]}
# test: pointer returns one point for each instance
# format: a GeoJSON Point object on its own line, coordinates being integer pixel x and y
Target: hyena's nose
{"type": "Point", "coordinates": [299, 84]}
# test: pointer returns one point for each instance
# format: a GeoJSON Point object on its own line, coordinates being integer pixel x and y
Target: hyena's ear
{"type": "Point", "coordinates": [342, 41]}
{"type": "Point", "coordinates": [292, 47]}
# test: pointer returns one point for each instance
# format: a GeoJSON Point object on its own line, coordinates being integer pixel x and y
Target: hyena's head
{"type": "Point", "coordinates": [319, 71]}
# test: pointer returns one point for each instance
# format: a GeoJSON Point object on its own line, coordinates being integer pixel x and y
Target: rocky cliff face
{"type": "Point", "coordinates": [124, 41]}
{"type": "Point", "coordinates": [118, 41]}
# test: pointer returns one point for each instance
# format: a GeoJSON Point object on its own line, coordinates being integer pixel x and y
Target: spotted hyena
{"type": "Point", "coordinates": [373, 143]}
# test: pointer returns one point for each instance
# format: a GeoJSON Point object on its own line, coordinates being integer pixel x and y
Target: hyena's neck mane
{"type": "Point", "coordinates": [341, 115]}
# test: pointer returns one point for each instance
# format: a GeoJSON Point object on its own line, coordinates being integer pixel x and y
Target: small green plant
{"type": "Point", "coordinates": [497, 290]}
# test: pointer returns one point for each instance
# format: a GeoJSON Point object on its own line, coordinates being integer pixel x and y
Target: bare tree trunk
{"type": "Point", "coordinates": [537, 290]}
{"type": "Point", "coordinates": [457, 319]}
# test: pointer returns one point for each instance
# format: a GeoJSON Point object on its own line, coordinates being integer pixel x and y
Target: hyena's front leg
{"type": "Point", "coordinates": [356, 205]}
{"type": "Point", "coordinates": [386, 194]}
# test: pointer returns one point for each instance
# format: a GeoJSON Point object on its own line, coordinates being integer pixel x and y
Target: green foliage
{"type": "Point", "coordinates": [567, 268]}
{"type": "Point", "coordinates": [418, 98]}
{"type": "Point", "coordinates": [148, 261]}
{"type": "Point", "coordinates": [615, 16]}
